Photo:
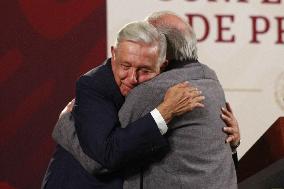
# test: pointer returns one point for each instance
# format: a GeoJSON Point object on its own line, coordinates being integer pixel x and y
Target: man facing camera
{"type": "Point", "coordinates": [138, 55]}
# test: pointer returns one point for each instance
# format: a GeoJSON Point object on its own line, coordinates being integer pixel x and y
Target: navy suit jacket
{"type": "Point", "coordinates": [98, 101]}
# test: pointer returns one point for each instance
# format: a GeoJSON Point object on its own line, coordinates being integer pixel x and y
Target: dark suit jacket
{"type": "Point", "coordinates": [98, 101]}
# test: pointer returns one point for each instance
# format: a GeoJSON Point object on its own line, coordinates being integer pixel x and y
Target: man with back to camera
{"type": "Point", "coordinates": [183, 56]}
{"type": "Point", "coordinates": [198, 156]}
{"type": "Point", "coordinates": [138, 56]}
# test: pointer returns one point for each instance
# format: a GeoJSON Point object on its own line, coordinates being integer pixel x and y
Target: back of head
{"type": "Point", "coordinates": [181, 39]}
{"type": "Point", "coordinates": [144, 33]}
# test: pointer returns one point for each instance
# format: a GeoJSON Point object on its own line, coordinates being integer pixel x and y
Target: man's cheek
{"type": "Point", "coordinates": [122, 74]}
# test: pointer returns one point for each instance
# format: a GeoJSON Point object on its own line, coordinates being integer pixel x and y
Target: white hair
{"type": "Point", "coordinates": [143, 32]}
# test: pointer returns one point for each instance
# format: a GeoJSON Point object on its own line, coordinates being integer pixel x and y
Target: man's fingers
{"type": "Point", "coordinates": [193, 94]}
{"type": "Point", "coordinates": [73, 101]}
{"type": "Point", "coordinates": [190, 104]}
{"type": "Point", "coordinates": [70, 105]}
{"type": "Point", "coordinates": [232, 129]}
{"type": "Point", "coordinates": [226, 112]}
{"type": "Point", "coordinates": [181, 98]}
{"type": "Point", "coordinates": [182, 84]}
{"type": "Point", "coordinates": [226, 119]}
{"type": "Point", "coordinates": [198, 105]}
{"type": "Point", "coordinates": [198, 99]}
{"type": "Point", "coordinates": [228, 106]}
{"type": "Point", "coordinates": [193, 89]}
{"type": "Point", "coordinates": [195, 103]}
{"type": "Point", "coordinates": [229, 130]}
{"type": "Point", "coordinates": [230, 138]}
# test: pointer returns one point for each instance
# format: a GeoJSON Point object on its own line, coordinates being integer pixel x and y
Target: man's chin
{"type": "Point", "coordinates": [125, 92]}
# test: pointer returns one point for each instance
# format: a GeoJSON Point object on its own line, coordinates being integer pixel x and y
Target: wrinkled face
{"type": "Point", "coordinates": [133, 63]}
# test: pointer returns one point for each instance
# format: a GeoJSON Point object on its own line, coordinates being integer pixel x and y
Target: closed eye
{"type": "Point", "coordinates": [145, 71]}
{"type": "Point", "coordinates": [125, 66]}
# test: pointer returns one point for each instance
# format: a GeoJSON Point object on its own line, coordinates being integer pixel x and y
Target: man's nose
{"type": "Point", "coordinates": [133, 77]}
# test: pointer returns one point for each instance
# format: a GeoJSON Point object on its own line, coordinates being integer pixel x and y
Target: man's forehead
{"type": "Point", "coordinates": [138, 48]}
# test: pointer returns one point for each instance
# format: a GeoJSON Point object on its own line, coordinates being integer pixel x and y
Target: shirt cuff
{"type": "Point", "coordinates": [162, 125]}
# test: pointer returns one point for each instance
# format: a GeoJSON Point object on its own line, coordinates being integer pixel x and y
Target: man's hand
{"type": "Point", "coordinates": [179, 99]}
{"type": "Point", "coordinates": [232, 128]}
{"type": "Point", "coordinates": [68, 108]}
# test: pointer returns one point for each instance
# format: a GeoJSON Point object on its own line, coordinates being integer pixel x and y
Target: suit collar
{"type": "Point", "coordinates": [174, 64]}
{"type": "Point", "coordinates": [117, 97]}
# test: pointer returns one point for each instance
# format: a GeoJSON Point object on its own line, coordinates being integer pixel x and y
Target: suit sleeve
{"type": "Point", "coordinates": [65, 135]}
{"type": "Point", "coordinates": [235, 159]}
{"type": "Point", "coordinates": [99, 131]}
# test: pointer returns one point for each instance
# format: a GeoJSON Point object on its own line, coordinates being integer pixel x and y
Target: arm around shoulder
{"type": "Point", "coordinates": [100, 134]}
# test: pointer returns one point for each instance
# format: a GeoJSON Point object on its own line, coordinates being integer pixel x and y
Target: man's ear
{"type": "Point", "coordinates": [164, 65]}
{"type": "Point", "coordinates": [112, 49]}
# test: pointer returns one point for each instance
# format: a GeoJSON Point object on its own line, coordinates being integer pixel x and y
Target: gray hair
{"type": "Point", "coordinates": [182, 43]}
{"type": "Point", "coordinates": [143, 32]}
